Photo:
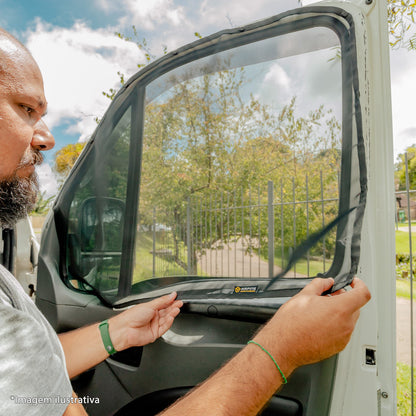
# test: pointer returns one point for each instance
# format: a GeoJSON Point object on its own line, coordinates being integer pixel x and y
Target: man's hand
{"type": "Point", "coordinates": [144, 323]}
{"type": "Point", "coordinates": [306, 329]}
{"type": "Point", "coordinates": [311, 327]}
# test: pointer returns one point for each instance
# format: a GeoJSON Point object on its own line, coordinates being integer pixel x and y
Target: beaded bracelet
{"type": "Point", "coordinates": [271, 356]}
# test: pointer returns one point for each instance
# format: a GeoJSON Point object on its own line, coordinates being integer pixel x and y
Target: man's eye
{"type": "Point", "coordinates": [27, 109]}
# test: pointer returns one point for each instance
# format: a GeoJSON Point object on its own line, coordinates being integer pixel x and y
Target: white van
{"type": "Point", "coordinates": [208, 170]}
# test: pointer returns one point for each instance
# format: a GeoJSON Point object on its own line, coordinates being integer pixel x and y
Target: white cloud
{"type": "Point", "coordinates": [147, 14]}
{"type": "Point", "coordinates": [278, 76]}
{"type": "Point", "coordinates": [241, 12]}
{"type": "Point", "coordinates": [403, 64]}
{"type": "Point", "coordinates": [47, 180]}
{"type": "Point", "coordinates": [77, 65]}
{"type": "Point", "coordinates": [151, 12]}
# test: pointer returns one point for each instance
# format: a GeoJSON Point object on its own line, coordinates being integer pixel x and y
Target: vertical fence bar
{"type": "Point", "coordinates": [235, 233]}
{"type": "Point", "coordinates": [154, 244]}
{"type": "Point", "coordinates": [201, 239]}
{"type": "Point", "coordinates": [206, 238]}
{"type": "Point", "coordinates": [323, 219]}
{"type": "Point", "coordinates": [228, 233]}
{"type": "Point", "coordinates": [282, 223]}
{"type": "Point", "coordinates": [242, 229]}
{"type": "Point", "coordinates": [307, 221]}
{"type": "Point", "coordinates": [188, 236]}
{"type": "Point", "coordinates": [294, 219]}
{"type": "Point", "coordinates": [259, 214]}
{"type": "Point", "coordinates": [222, 236]}
{"type": "Point", "coordinates": [409, 221]}
{"type": "Point", "coordinates": [216, 234]}
{"type": "Point", "coordinates": [250, 227]}
{"type": "Point", "coordinates": [210, 235]}
{"type": "Point", "coordinates": [270, 227]}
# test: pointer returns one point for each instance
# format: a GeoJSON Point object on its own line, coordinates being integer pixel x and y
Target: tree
{"type": "Point", "coordinates": [201, 145]}
{"type": "Point", "coordinates": [65, 159]}
{"type": "Point", "coordinates": [401, 19]}
{"type": "Point", "coordinates": [400, 168]}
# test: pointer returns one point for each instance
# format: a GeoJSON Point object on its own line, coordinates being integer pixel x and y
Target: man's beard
{"type": "Point", "coordinates": [18, 195]}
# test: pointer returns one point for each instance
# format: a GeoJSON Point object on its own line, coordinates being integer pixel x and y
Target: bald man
{"type": "Point", "coordinates": [35, 364]}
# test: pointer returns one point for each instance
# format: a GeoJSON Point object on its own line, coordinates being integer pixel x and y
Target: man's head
{"type": "Point", "coordinates": [23, 134]}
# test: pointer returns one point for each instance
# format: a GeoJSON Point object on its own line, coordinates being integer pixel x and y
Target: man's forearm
{"type": "Point", "coordinates": [242, 387]}
{"type": "Point", "coordinates": [75, 409]}
{"type": "Point", "coordinates": [306, 329]}
{"type": "Point", "coordinates": [137, 326]}
{"type": "Point", "coordinates": [83, 349]}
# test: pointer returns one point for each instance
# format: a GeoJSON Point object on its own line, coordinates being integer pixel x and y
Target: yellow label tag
{"type": "Point", "coordinates": [245, 289]}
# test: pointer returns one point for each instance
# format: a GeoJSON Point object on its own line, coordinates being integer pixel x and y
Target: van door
{"type": "Point", "coordinates": [208, 171]}
{"type": "Point", "coordinates": [19, 249]}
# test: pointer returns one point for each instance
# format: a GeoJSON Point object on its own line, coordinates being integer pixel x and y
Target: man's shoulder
{"type": "Point", "coordinates": [11, 293]}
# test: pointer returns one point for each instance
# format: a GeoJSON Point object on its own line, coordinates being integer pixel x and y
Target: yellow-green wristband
{"type": "Point", "coordinates": [271, 356]}
{"type": "Point", "coordinates": [105, 336]}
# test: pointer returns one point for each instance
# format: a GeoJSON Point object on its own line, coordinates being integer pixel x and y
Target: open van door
{"type": "Point", "coordinates": [208, 170]}
{"type": "Point", "coordinates": [19, 250]}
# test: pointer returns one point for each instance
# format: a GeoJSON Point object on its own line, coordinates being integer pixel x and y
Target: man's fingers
{"type": "Point", "coordinates": [162, 302]}
{"type": "Point", "coordinates": [338, 292]}
{"type": "Point", "coordinates": [173, 309]}
{"type": "Point", "coordinates": [357, 297]}
{"type": "Point", "coordinates": [318, 286]}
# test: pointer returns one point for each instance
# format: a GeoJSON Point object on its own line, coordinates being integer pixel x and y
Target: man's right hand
{"type": "Point", "coordinates": [311, 327]}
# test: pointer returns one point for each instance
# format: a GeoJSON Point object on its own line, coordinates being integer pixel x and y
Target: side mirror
{"type": "Point", "coordinates": [101, 225]}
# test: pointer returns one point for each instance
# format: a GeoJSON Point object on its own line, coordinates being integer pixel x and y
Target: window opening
{"type": "Point", "coordinates": [241, 161]}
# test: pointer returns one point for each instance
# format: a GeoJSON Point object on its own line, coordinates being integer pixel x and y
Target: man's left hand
{"type": "Point", "coordinates": [144, 323]}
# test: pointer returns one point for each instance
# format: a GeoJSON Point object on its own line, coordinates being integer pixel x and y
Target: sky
{"type": "Point", "coordinates": [75, 45]}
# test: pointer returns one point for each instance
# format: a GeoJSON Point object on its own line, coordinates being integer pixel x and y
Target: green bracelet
{"type": "Point", "coordinates": [271, 356]}
{"type": "Point", "coordinates": [105, 336]}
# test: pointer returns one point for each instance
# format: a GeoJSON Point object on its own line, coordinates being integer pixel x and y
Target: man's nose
{"type": "Point", "coordinates": [42, 138]}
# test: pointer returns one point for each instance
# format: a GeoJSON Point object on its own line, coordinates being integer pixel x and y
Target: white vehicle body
{"type": "Point", "coordinates": [363, 378]}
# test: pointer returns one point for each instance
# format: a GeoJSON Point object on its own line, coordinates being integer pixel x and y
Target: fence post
{"type": "Point", "coordinates": [409, 222]}
{"type": "Point", "coordinates": [154, 243]}
{"type": "Point", "coordinates": [188, 235]}
{"type": "Point", "coordinates": [270, 227]}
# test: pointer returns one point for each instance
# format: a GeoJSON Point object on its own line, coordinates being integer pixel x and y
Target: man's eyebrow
{"type": "Point", "coordinates": [43, 105]}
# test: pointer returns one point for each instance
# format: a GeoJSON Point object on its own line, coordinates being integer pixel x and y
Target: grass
{"type": "Point", "coordinates": [403, 389]}
{"type": "Point", "coordinates": [315, 266]}
{"type": "Point", "coordinates": [144, 260]}
{"type": "Point", "coordinates": [402, 241]}
{"type": "Point", "coordinates": [403, 291]}
{"type": "Point", "coordinates": [403, 288]}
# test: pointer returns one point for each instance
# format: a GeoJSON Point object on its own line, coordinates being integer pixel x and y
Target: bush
{"type": "Point", "coordinates": [403, 266]}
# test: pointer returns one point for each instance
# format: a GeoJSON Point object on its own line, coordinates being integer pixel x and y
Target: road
{"type": "Point", "coordinates": [403, 330]}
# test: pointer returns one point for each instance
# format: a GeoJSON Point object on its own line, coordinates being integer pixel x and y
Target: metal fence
{"type": "Point", "coordinates": [406, 212]}
{"type": "Point", "coordinates": [251, 232]}
{"type": "Point", "coordinates": [243, 233]}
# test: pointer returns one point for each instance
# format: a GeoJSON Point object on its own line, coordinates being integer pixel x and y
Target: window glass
{"type": "Point", "coordinates": [241, 161]}
{"type": "Point", "coordinates": [96, 216]}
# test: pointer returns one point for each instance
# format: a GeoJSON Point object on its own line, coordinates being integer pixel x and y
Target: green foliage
{"type": "Point", "coordinates": [403, 288]}
{"type": "Point", "coordinates": [144, 48]}
{"type": "Point", "coordinates": [200, 145]}
{"type": "Point", "coordinates": [401, 18]}
{"type": "Point", "coordinates": [65, 159]}
{"type": "Point", "coordinates": [400, 168]}
{"type": "Point", "coordinates": [43, 204]}
{"type": "Point", "coordinates": [403, 256]}
{"type": "Point", "coordinates": [403, 384]}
